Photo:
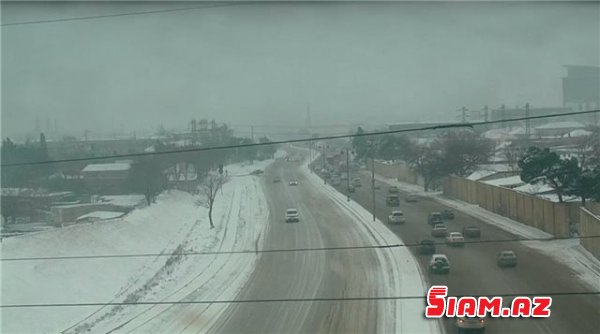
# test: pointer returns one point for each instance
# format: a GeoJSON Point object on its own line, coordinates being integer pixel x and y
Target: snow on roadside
{"type": "Point", "coordinates": [174, 224]}
{"type": "Point", "coordinates": [568, 252]}
{"type": "Point", "coordinates": [404, 277]}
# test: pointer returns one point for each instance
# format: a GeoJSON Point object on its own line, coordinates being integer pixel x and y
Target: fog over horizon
{"type": "Point", "coordinates": [262, 64]}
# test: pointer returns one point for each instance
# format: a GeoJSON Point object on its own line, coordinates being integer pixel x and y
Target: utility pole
{"type": "Point", "coordinates": [348, 174]}
{"type": "Point", "coordinates": [464, 114]}
{"type": "Point", "coordinates": [252, 133]}
{"type": "Point", "coordinates": [527, 123]}
{"type": "Point", "coordinates": [485, 113]}
{"type": "Point", "coordinates": [503, 113]}
{"type": "Point", "coordinates": [373, 181]}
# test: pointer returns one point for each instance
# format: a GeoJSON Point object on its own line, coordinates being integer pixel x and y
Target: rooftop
{"type": "Point", "coordinates": [561, 125]}
{"type": "Point", "coordinates": [101, 215]}
{"type": "Point", "coordinates": [107, 167]}
{"type": "Point", "coordinates": [506, 182]}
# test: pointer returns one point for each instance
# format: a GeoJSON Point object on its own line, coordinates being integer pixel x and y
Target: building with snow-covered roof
{"type": "Point", "coordinates": [558, 129]}
{"type": "Point", "coordinates": [98, 216]}
{"type": "Point", "coordinates": [106, 178]}
{"type": "Point", "coordinates": [510, 182]}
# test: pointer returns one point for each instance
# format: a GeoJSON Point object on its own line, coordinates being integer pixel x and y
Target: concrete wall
{"type": "Point", "coordinates": [554, 218]}
{"type": "Point", "coordinates": [590, 226]}
{"type": "Point", "coordinates": [68, 213]}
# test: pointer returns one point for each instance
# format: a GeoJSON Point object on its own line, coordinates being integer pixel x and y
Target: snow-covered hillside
{"type": "Point", "coordinates": [175, 224]}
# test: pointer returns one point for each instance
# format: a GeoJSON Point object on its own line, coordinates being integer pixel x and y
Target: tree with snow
{"type": "Point", "coordinates": [543, 166]}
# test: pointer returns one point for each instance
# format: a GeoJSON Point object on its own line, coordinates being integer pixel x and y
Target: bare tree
{"type": "Point", "coordinates": [210, 188]}
{"type": "Point", "coordinates": [512, 153]}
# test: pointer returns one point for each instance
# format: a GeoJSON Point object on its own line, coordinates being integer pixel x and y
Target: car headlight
{"type": "Point", "coordinates": [461, 321]}
{"type": "Point", "coordinates": [481, 320]}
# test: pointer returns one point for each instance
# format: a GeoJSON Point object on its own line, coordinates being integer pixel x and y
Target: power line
{"type": "Point", "coordinates": [295, 300]}
{"type": "Point", "coordinates": [290, 141]}
{"type": "Point", "coordinates": [95, 17]}
{"type": "Point", "coordinates": [75, 257]}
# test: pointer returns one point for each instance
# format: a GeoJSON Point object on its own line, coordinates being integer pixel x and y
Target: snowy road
{"type": "Point", "coordinates": [324, 274]}
{"type": "Point", "coordinates": [474, 270]}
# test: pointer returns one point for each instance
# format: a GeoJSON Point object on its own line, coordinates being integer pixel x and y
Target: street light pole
{"type": "Point", "coordinates": [348, 174]}
{"type": "Point", "coordinates": [373, 182]}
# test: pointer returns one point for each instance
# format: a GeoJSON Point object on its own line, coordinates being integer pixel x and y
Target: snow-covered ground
{"type": "Point", "coordinates": [175, 224]}
{"type": "Point", "coordinates": [569, 252]}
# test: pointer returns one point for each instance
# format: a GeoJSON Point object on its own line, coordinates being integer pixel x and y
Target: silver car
{"type": "Point", "coordinates": [397, 217]}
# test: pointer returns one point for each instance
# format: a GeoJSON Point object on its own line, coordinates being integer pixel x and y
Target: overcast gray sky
{"type": "Point", "coordinates": [262, 64]}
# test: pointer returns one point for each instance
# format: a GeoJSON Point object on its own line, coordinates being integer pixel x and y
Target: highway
{"type": "Point", "coordinates": [312, 274]}
{"type": "Point", "coordinates": [474, 270]}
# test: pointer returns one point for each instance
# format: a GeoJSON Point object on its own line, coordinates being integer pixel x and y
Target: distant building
{"type": "Point", "coordinates": [418, 125]}
{"type": "Point", "coordinates": [581, 86]}
{"type": "Point", "coordinates": [512, 113]}
{"type": "Point", "coordinates": [106, 178]}
{"type": "Point", "coordinates": [581, 90]}
{"type": "Point", "coordinates": [558, 129]}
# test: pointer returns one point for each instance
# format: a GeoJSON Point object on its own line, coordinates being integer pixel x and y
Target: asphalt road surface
{"type": "Point", "coordinates": [474, 270]}
{"type": "Point", "coordinates": [340, 273]}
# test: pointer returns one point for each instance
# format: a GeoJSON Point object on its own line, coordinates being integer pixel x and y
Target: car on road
{"type": "Point", "coordinates": [393, 200]}
{"type": "Point", "coordinates": [448, 214]}
{"type": "Point", "coordinates": [439, 264]}
{"type": "Point", "coordinates": [351, 189]}
{"type": "Point", "coordinates": [455, 239]}
{"type": "Point", "coordinates": [356, 182]}
{"type": "Point", "coordinates": [396, 217]}
{"type": "Point", "coordinates": [292, 216]}
{"type": "Point", "coordinates": [439, 231]}
{"type": "Point", "coordinates": [506, 258]}
{"type": "Point", "coordinates": [276, 179]}
{"type": "Point", "coordinates": [469, 324]}
{"type": "Point", "coordinates": [293, 183]}
{"type": "Point", "coordinates": [472, 231]}
{"type": "Point", "coordinates": [426, 247]}
{"type": "Point", "coordinates": [435, 218]}
{"type": "Point", "coordinates": [411, 198]}
{"type": "Point", "coordinates": [393, 190]}
{"type": "Point", "coordinates": [257, 172]}
{"type": "Point", "coordinates": [376, 186]}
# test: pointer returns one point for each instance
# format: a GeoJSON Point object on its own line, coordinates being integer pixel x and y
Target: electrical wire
{"type": "Point", "coordinates": [107, 256]}
{"type": "Point", "coordinates": [95, 17]}
{"type": "Point", "coordinates": [294, 300]}
{"type": "Point", "coordinates": [301, 140]}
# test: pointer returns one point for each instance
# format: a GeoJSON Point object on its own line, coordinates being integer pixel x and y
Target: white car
{"type": "Point", "coordinates": [470, 323]}
{"type": "Point", "coordinates": [293, 183]}
{"type": "Point", "coordinates": [455, 239]}
{"type": "Point", "coordinates": [292, 216]}
{"type": "Point", "coordinates": [439, 264]}
{"type": "Point", "coordinates": [397, 217]}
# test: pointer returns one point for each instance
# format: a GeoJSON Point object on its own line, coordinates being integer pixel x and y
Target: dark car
{"type": "Point", "coordinates": [393, 190]}
{"type": "Point", "coordinates": [439, 264]}
{"type": "Point", "coordinates": [351, 189]}
{"type": "Point", "coordinates": [276, 179]}
{"type": "Point", "coordinates": [472, 231]}
{"type": "Point", "coordinates": [393, 200]}
{"type": "Point", "coordinates": [448, 214]}
{"type": "Point", "coordinates": [435, 218]}
{"type": "Point", "coordinates": [506, 258]}
{"type": "Point", "coordinates": [426, 247]}
{"type": "Point", "coordinates": [257, 172]}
